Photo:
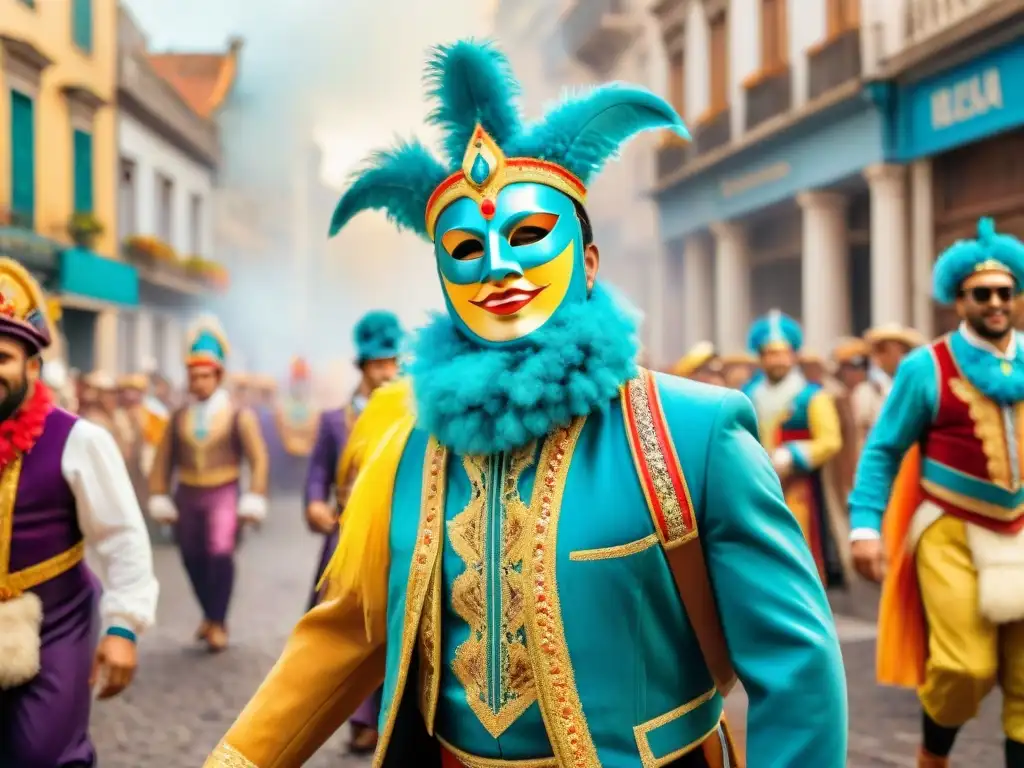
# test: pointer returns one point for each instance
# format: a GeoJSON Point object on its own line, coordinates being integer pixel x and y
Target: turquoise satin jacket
{"type": "Point", "coordinates": [548, 623]}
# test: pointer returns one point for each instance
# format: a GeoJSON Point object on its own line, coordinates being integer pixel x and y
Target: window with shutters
{"type": "Point", "coordinates": [719, 74]}
{"type": "Point", "coordinates": [165, 208]}
{"type": "Point", "coordinates": [843, 15]}
{"type": "Point", "coordinates": [128, 206]}
{"type": "Point", "coordinates": [83, 172]}
{"type": "Point", "coordinates": [195, 224]}
{"type": "Point", "coordinates": [81, 24]}
{"type": "Point", "coordinates": [23, 159]}
{"type": "Point", "coordinates": [774, 34]}
{"type": "Point", "coordinates": [677, 81]}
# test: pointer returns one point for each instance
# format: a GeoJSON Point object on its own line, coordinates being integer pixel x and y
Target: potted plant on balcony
{"type": "Point", "coordinates": [209, 272]}
{"type": "Point", "coordinates": [149, 251]}
{"type": "Point", "coordinates": [84, 228]}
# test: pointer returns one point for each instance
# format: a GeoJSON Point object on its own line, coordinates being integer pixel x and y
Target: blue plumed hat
{"type": "Point", "coordinates": [775, 330]}
{"type": "Point", "coordinates": [378, 336]}
{"type": "Point", "coordinates": [488, 146]}
{"type": "Point", "coordinates": [991, 252]}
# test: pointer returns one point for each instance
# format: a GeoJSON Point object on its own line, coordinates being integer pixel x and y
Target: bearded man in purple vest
{"type": "Point", "coordinates": [63, 486]}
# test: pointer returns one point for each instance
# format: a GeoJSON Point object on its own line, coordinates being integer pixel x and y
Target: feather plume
{"type": "Point", "coordinates": [399, 181]}
{"type": "Point", "coordinates": [582, 133]}
{"type": "Point", "coordinates": [471, 82]}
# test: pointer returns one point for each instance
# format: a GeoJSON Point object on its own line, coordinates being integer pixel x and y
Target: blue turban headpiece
{"type": "Point", "coordinates": [378, 336]}
{"type": "Point", "coordinates": [775, 330]}
{"type": "Point", "coordinates": [989, 252]}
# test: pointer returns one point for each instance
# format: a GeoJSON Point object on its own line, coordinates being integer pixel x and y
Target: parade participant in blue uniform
{"type": "Point", "coordinates": [800, 429]}
{"type": "Point", "coordinates": [951, 622]}
{"type": "Point", "coordinates": [539, 505]}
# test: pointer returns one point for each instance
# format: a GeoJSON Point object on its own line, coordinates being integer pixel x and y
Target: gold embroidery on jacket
{"type": "Point", "coordinates": [559, 699]}
{"type": "Point", "coordinates": [226, 756]}
{"type": "Point", "coordinates": [468, 535]}
{"type": "Point", "coordinates": [421, 569]}
{"type": "Point", "coordinates": [988, 428]}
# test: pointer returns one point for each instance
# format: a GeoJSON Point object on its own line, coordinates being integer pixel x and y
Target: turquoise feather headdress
{"type": "Point", "coordinates": [774, 331]}
{"type": "Point", "coordinates": [989, 252]}
{"type": "Point", "coordinates": [378, 336]}
{"type": "Point", "coordinates": [488, 146]}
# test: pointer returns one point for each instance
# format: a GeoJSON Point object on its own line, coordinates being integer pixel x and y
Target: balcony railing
{"type": "Point", "coordinates": [834, 63]}
{"type": "Point", "coordinates": [713, 133]}
{"type": "Point", "coordinates": [671, 157]}
{"type": "Point", "coordinates": [771, 95]}
{"type": "Point", "coordinates": [598, 32]}
{"type": "Point", "coordinates": [924, 19]}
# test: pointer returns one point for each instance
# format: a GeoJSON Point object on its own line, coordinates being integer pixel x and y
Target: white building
{"type": "Point", "coordinates": [551, 48]}
{"type": "Point", "coordinates": [169, 158]}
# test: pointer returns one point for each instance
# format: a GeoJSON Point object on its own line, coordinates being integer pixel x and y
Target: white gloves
{"type": "Point", "coordinates": [252, 507]}
{"type": "Point", "coordinates": [162, 509]}
{"type": "Point", "coordinates": [782, 460]}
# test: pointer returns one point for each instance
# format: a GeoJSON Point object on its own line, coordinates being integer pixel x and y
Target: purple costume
{"type": "Point", "coordinates": [332, 433]}
{"type": "Point", "coordinates": [44, 723]}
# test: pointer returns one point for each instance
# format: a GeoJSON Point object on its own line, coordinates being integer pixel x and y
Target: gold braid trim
{"type": "Point", "coordinates": [226, 756]}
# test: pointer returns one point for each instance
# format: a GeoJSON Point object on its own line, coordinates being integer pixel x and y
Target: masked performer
{"type": "Point", "coordinates": [63, 486]}
{"type": "Point", "coordinates": [527, 518]}
{"type": "Point", "coordinates": [951, 622]}
{"type": "Point", "coordinates": [801, 431]}
{"type": "Point", "coordinates": [205, 446]}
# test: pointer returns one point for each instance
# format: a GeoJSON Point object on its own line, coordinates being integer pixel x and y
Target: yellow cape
{"type": "Point", "coordinates": [360, 562]}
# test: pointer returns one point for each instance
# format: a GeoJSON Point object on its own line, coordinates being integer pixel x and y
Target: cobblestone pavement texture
{"type": "Point", "coordinates": [184, 699]}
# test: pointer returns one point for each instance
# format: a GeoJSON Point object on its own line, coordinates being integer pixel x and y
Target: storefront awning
{"type": "Point", "coordinates": [87, 274]}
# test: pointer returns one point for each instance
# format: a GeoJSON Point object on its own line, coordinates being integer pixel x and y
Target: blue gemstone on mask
{"type": "Point", "coordinates": [480, 170]}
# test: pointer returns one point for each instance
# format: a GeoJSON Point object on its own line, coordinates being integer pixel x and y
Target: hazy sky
{"type": "Point", "coordinates": [347, 73]}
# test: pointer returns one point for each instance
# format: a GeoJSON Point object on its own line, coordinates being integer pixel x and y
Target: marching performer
{"type": "Point", "coordinates": [889, 345]}
{"type": "Point", "coordinates": [530, 467]}
{"type": "Point", "coordinates": [378, 339]}
{"type": "Point", "coordinates": [204, 447]}
{"type": "Point", "coordinates": [701, 363]}
{"type": "Point", "coordinates": [293, 429]}
{"type": "Point", "coordinates": [801, 431]}
{"type": "Point", "coordinates": [951, 621]}
{"type": "Point", "coordinates": [63, 487]}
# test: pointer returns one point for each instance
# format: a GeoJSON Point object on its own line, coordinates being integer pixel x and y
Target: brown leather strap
{"type": "Point", "coordinates": [671, 509]}
{"type": "Point", "coordinates": [691, 576]}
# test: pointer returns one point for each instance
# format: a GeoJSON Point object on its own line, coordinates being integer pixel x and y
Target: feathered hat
{"type": "Point", "coordinates": [23, 307]}
{"type": "Point", "coordinates": [774, 331]}
{"type": "Point", "coordinates": [990, 252]}
{"type": "Point", "coordinates": [377, 336]}
{"type": "Point", "coordinates": [206, 343]}
{"type": "Point", "coordinates": [487, 146]}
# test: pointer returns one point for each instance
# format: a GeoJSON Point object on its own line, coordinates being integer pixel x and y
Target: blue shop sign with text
{"type": "Point", "coordinates": [980, 98]}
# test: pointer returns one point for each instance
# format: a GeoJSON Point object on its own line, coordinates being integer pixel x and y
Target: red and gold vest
{"type": "Point", "coordinates": [967, 469]}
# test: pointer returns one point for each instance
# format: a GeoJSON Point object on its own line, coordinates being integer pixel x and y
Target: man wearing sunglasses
{"type": "Point", "coordinates": [941, 475]}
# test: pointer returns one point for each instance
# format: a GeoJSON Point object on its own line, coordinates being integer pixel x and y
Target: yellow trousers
{"type": "Point", "coordinates": [967, 654]}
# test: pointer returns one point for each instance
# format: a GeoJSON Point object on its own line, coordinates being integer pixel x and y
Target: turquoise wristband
{"type": "Point", "coordinates": [127, 634]}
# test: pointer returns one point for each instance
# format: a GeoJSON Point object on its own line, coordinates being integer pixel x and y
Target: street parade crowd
{"type": "Point", "coordinates": [509, 500]}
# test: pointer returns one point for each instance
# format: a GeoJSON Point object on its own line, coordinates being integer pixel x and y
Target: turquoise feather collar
{"type": "Point", "coordinates": [478, 400]}
{"type": "Point", "coordinates": [996, 378]}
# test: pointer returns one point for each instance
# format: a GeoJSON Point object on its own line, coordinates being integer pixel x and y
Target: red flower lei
{"type": "Point", "coordinates": [19, 433]}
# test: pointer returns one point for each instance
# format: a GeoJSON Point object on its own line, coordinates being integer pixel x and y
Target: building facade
{"type": "Point", "coordinates": [952, 80]}
{"type": "Point", "coordinates": [784, 198]}
{"type": "Point", "coordinates": [58, 149]}
{"type": "Point", "coordinates": [169, 156]}
{"type": "Point", "coordinates": [578, 43]}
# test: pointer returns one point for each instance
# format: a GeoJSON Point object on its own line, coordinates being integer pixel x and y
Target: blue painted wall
{"type": "Point", "coordinates": [972, 101]}
{"type": "Point", "coordinates": [815, 153]}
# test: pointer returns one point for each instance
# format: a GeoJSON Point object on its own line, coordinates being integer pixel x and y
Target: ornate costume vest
{"type": "Point", "coordinates": [972, 464]}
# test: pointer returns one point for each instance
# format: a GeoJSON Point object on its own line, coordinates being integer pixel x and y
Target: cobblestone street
{"type": "Point", "coordinates": [184, 699]}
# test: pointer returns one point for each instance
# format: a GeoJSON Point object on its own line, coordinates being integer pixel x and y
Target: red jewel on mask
{"type": "Point", "coordinates": [487, 208]}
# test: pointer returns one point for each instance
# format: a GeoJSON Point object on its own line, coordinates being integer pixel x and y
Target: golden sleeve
{"type": "Point", "coordinates": [255, 450]}
{"type": "Point", "coordinates": [328, 668]}
{"type": "Point", "coordinates": [826, 439]}
{"type": "Point", "coordinates": [160, 472]}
